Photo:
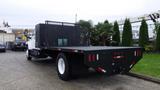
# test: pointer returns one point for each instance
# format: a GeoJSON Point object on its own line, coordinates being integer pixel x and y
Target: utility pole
{"type": "Point", "coordinates": [76, 18]}
{"type": "Point", "coordinates": [76, 15]}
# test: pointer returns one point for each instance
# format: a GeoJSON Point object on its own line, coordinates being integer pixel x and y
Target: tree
{"type": "Point", "coordinates": [87, 27]}
{"type": "Point", "coordinates": [143, 34]}
{"type": "Point", "coordinates": [157, 24]}
{"type": "Point", "coordinates": [127, 33]}
{"type": "Point", "coordinates": [94, 37]}
{"type": "Point", "coordinates": [116, 35]}
{"type": "Point", "coordinates": [158, 39]}
{"type": "Point", "coordinates": [103, 33]}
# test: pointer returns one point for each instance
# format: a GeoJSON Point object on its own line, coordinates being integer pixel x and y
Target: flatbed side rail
{"type": "Point", "coordinates": [67, 50]}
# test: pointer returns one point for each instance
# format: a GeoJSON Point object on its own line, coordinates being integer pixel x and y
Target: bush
{"type": "Point", "coordinates": [149, 48]}
{"type": "Point", "coordinates": [127, 34]}
{"type": "Point", "coordinates": [158, 39]}
{"type": "Point", "coordinates": [116, 35]}
{"type": "Point", "coordinates": [143, 34]}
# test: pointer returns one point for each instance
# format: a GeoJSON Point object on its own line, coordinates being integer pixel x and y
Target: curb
{"type": "Point", "coordinates": [147, 78]}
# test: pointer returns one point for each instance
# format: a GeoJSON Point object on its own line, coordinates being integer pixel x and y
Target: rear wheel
{"type": "Point", "coordinates": [63, 68]}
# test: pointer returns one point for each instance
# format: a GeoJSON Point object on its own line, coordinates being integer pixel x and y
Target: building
{"type": "Point", "coordinates": [21, 34]}
{"type": "Point", "coordinates": [136, 23]}
{"type": "Point", "coordinates": [136, 28]}
{"type": "Point", "coordinates": [5, 27]}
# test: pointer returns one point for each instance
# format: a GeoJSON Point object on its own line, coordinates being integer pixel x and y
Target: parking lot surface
{"type": "Point", "coordinates": [16, 73]}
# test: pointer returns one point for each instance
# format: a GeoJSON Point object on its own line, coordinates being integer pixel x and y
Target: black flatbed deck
{"type": "Point", "coordinates": [93, 48]}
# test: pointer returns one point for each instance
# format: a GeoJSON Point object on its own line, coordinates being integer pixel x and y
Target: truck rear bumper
{"type": "Point", "coordinates": [113, 61]}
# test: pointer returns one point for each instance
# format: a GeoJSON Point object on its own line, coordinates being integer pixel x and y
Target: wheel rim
{"type": "Point", "coordinates": [61, 65]}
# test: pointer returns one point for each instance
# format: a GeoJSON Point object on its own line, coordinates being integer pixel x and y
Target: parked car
{"type": "Point", "coordinates": [2, 48]}
{"type": "Point", "coordinates": [19, 46]}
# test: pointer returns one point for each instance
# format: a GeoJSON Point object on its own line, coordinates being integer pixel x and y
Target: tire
{"type": "Point", "coordinates": [4, 50]}
{"type": "Point", "coordinates": [63, 67]}
{"type": "Point", "coordinates": [29, 58]}
{"type": "Point", "coordinates": [28, 55]}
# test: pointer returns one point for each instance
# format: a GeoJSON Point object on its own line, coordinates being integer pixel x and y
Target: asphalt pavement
{"type": "Point", "coordinates": [16, 73]}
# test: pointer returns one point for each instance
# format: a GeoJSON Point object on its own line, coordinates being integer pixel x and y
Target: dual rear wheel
{"type": "Point", "coordinates": [63, 67]}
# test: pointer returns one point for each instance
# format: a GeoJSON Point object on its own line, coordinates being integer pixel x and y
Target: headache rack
{"type": "Point", "coordinates": [53, 34]}
{"type": "Point", "coordinates": [60, 23]}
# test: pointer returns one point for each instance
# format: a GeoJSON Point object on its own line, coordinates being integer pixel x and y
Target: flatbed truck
{"type": "Point", "coordinates": [65, 42]}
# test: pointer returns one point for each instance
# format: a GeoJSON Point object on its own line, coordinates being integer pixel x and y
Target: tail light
{"type": "Point", "coordinates": [117, 55]}
{"type": "Point", "coordinates": [99, 69]}
{"type": "Point", "coordinates": [89, 58]}
{"type": "Point", "coordinates": [93, 57]}
{"type": "Point", "coordinates": [137, 53]}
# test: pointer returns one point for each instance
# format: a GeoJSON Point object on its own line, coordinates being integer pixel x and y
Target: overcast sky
{"type": "Point", "coordinates": [27, 13]}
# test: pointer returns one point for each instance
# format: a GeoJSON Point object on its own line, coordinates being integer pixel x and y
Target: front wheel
{"type": "Point", "coordinates": [28, 55]}
{"type": "Point", "coordinates": [63, 68]}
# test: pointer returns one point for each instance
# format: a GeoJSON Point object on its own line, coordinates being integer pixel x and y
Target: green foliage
{"type": "Point", "coordinates": [127, 34]}
{"type": "Point", "coordinates": [106, 21]}
{"type": "Point", "coordinates": [149, 48]}
{"type": "Point", "coordinates": [116, 35]}
{"type": "Point", "coordinates": [157, 24]}
{"type": "Point", "coordinates": [143, 34]}
{"type": "Point", "coordinates": [158, 39]}
{"type": "Point", "coordinates": [87, 29]}
{"type": "Point", "coordinates": [94, 37]}
{"type": "Point", "coordinates": [102, 33]}
{"type": "Point", "coordinates": [86, 25]}
{"type": "Point", "coordinates": [149, 65]}
{"type": "Point", "coordinates": [99, 34]}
